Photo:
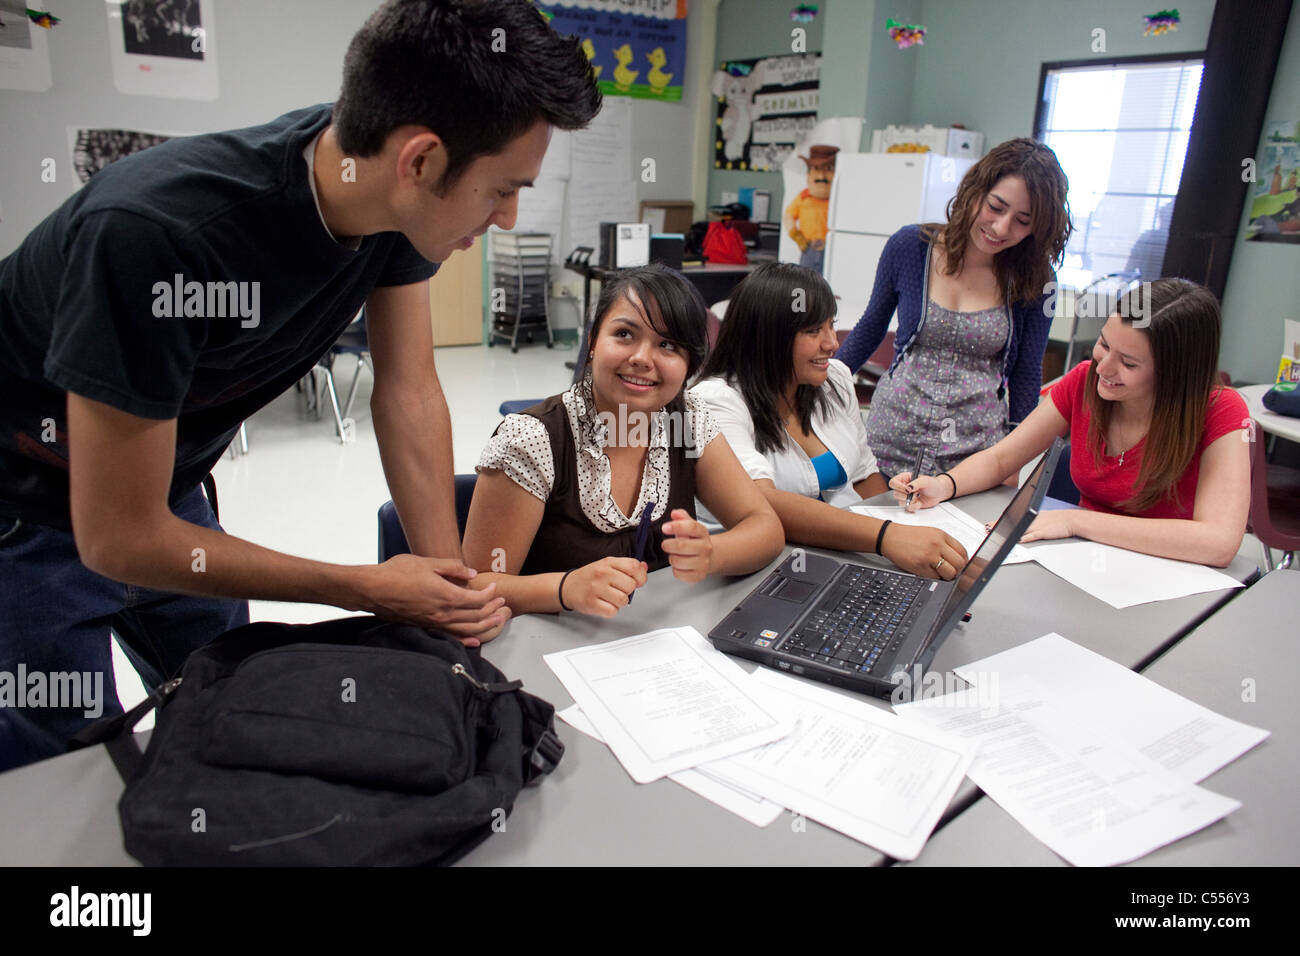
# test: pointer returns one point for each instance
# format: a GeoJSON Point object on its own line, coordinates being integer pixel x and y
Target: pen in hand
{"type": "Point", "coordinates": [642, 536]}
{"type": "Point", "coordinates": [916, 473]}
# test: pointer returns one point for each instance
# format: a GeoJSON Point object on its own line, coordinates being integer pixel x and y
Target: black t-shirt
{"type": "Point", "coordinates": [194, 280]}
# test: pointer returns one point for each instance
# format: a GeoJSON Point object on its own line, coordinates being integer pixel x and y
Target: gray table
{"type": "Point", "coordinates": [1252, 637]}
{"type": "Point", "coordinates": [63, 811]}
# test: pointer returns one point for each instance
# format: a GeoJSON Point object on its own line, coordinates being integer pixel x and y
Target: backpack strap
{"type": "Point", "coordinates": [542, 746]}
{"type": "Point", "coordinates": [115, 732]}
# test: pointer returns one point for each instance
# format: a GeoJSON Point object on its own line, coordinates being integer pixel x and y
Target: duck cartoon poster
{"type": "Point", "coordinates": [637, 47]}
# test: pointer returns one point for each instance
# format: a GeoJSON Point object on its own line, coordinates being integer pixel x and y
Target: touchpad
{"type": "Point", "coordinates": [795, 592]}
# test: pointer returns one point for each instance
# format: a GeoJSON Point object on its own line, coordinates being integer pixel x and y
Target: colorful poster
{"type": "Point", "coordinates": [1275, 200]}
{"type": "Point", "coordinates": [637, 47]}
{"type": "Point", "coordinates": [764, 108]}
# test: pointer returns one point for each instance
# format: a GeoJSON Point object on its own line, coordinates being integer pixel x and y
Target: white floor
{"type": "Point", "coordinates": [300, 491]}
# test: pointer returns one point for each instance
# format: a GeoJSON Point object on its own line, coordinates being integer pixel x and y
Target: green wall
{"type": "Point", "coordinates": [981, 60]}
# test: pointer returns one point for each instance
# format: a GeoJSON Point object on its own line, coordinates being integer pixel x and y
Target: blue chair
{"type": "Point", "coordinates": [517, 406]}
{"type": "Point", "coordinates": [392, 539]}
{"type": "Point", "coordinates": [1062, 487]}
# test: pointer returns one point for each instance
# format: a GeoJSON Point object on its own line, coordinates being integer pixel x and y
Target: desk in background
{"type": "Point", "coordinates": [63, 811]}
{"type": "Point", "coordinates": [1283, 426]}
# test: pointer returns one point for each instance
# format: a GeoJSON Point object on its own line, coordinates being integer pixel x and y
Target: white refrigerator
{"type": "Point", "coordinates": [872, 197]}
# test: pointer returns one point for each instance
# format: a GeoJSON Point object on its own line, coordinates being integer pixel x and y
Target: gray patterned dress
{"type": "Point", "coordinates": [943, 394]}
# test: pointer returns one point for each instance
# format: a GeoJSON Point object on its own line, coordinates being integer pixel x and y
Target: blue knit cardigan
{"type": "Point", "coordinates": [903, 281]}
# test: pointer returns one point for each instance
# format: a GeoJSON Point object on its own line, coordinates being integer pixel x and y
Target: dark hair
{"type": "Point", "coordinates": [1181, 322]}
{"type": "Point", "coordinates": [478, 73]}
{"type": "Point", "coordinates": [673, 307]}
{"type": "Point", "coordinates": [755, 347]}
{"type": "Point", "coordinates": [1026, 268]}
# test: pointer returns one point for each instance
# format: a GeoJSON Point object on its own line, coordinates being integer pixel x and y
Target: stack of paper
{"type": "Point", "coordinates": [1097, 762]}
{"type": "Point", "coordinates": [668, 703]}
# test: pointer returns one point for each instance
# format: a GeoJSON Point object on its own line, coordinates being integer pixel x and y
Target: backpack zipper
{"type": "Point", "coordinates": [460, 669]}
{"type": "Point", "coordinates": [494, 688]}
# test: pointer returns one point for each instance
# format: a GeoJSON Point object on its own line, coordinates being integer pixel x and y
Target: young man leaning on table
{"type": "Point", "coordinates": [115, 403]}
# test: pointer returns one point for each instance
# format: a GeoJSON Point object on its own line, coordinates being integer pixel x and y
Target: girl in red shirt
{"type": "Point", "coordinates": [1160, 456]}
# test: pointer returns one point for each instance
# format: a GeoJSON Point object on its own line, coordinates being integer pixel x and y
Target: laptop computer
{"type": "Point", "coordinates": [868, 628]}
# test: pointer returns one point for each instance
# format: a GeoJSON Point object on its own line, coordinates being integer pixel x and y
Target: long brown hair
{"type": "Point", "coordinates": [1181, 322]}
{"type": "Point", "coordinates": [756, 344]}
{"type": "Point", "coordinates": [1026, 268]}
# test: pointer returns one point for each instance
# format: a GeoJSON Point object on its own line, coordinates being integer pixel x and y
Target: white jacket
{"type": "Point", "coordinates": [789, 468]}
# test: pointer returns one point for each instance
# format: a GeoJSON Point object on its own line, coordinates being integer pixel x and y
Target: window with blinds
{"type": "Point", "coordinates": [1120, 130]}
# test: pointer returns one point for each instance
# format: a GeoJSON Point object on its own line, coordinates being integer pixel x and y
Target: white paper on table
{"type": "Point", "coordinates": [1182, 736]}
{"type": "Point", "coordinates": [748, 806]}
{"type": "Point", "coordinates": [1124, 578]}
{"type": "Point", "coordinates": [853, 767]}
{"type": "Point", "coordinates": [1092, 801]}
{"type": "Point", "coordinates": [667, 701]}
{"type": "Point", "coordinates": [946, 517]}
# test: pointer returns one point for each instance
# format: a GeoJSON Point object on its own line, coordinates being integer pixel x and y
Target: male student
{"type": "Point", "coordinates": [187, 286]}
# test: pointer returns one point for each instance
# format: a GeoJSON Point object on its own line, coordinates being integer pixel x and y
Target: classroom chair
{"type": "Point", "coordinates": [353, 341]}
{"type": "Point", "coordinates": [1274, 504]}
{"type": "Point", "coordinates": [392, 539]}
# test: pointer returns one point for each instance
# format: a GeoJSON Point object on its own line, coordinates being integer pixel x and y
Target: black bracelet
{"type": "Point", "coordinates": [880, 537]}
{"type": "Point", "coordinates": [559, 592]}
{"type": "Point", "coordinates": [944, 474]}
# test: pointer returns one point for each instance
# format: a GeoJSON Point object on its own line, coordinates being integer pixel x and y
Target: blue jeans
{"type": "Point", "coordinates": [813, 258]}
{"type": "Point", "coordinates": [55, 617]}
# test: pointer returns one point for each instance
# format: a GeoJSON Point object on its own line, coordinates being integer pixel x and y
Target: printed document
{"type": "Point", "coordinates": [1124, 578]}
{"type": "Point", "coordinates": [1093, 801]}
{"type": "Point", "coordinates": [667, 701]}
{"type": "Point", "coordinates": [746, 805]}
{"type": "Point", "coordinates": [1185, 738]}
{"type": "Point", "coordinates": [852, 766]}
{"type": "Point", "coordinates": [948, 518]}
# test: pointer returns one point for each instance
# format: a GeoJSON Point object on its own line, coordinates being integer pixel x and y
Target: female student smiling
{"type": "Point", "coordinates": [970, 296]}
{"type": "Point", "coordinates": [563, 488]}
{"type": "Point", "coordinates": [1159, 455]}
{"type": "Point", "coordinates": [791, 415]}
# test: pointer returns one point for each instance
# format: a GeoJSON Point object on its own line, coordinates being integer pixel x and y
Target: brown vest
{"type": "Point", "coordinates": [566, 537]}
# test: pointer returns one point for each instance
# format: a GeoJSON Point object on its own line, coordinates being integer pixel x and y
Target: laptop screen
{"type": "Point", "coordinates": [997, 544]}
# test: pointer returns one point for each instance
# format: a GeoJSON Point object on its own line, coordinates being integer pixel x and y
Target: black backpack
{"type": "Point", "coordinates": [349, 742]}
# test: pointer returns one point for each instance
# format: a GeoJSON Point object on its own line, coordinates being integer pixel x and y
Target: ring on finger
{"type": "Point", "coordinates": [938, 564]}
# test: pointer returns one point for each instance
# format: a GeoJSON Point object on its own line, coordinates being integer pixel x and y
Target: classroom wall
{"type": "Point", "coordinates": [1264, 282]}
{"type": "Point", "coordinates": [272, 58]}
{"type": "Point", "coordinates": [981, 59]}
{"type": "Point", "coordinates": [268, 64]}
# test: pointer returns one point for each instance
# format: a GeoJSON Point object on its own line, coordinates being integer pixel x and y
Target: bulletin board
{"type": "Point", "coordinates": [765, 106]}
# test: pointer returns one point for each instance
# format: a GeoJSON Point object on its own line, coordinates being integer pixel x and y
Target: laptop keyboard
{"type": "Point", "coordinates": [851, 630]}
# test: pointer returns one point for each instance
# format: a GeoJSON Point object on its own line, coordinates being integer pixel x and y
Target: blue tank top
{"type": "Point", "coordinates": [830, 473]}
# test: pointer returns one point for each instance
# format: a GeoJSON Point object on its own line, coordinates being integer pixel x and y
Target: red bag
{"type": "Point", "coordinates": [722, 243]}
